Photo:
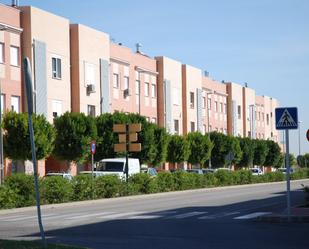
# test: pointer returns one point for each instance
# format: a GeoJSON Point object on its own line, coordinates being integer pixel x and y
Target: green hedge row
{"type": "Point", "coordinates": [18, 189]}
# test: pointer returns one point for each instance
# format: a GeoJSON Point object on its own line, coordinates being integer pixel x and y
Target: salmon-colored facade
{"type": "Point", "coordinates": [46, 42]}
{"type": "Point", "coordinates": [89, 47]}
{"type": "Point", "coordinates": [133, 82]}
{"type": "Point", "coordinates": [214, 105]}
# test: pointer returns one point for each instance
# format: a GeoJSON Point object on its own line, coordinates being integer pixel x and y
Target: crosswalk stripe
{"type": "Point", "coordinates": [25, 218]}
{"type": "Point", "coordinates": [217, 215]}
{"type": "Point", "coordinates": [119, 215]}
{"type": "Point", "coordinates": [252, 215]}
{"type": "Point", "coordinates": [87, 215]}
{"type": "Point", "coordinates": [186, 215]}
{"type": "Point", "coordinates": [144, 217]}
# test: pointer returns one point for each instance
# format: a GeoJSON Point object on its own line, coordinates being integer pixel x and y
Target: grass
{"type": "Point", "coordinates": [13, 244]}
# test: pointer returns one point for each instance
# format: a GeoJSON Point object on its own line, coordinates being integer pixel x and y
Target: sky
{"type": "Point", "coordinates": [261, 42]}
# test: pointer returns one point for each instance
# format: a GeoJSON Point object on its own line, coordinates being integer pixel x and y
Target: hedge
{"type": "Point", "coordinates": [18, 189]}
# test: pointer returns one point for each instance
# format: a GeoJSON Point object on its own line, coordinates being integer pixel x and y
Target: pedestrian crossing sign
{"type": "Point", "coordinates": [286, 118]}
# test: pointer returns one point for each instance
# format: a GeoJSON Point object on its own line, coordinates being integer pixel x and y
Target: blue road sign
{"type": "Point", "coordinates": [286, 118]}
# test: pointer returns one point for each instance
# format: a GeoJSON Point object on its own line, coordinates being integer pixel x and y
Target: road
{"type": "Point", "coordinates": [206, 218]}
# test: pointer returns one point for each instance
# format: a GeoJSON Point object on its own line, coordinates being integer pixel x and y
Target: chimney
{"type": "Point", "coordinates": [138, 48]}
{"type": "Point", "coordinates": [15, 3]}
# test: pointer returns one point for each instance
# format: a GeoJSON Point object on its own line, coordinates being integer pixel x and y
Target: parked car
{"type": "Point", "coordinates": [284, 170]}
{"type": "Point", "coordinates": [151, 171]}
{"type": "Point", "coordinates": [256, 171]}
{"type": "Point", "coordinates": [195, 171]}
{"type": "Point", "coordinates": [207, 171]}
{"type": "Point", "coordinates": [64, 175]}
{"type": "Point", "coordinates": [95, 173]}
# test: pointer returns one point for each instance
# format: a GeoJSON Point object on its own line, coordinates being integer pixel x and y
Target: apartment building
{"type": "Point", "coordinates": [214, 105]}
{"type": "Point", "coordinates": [133, 82]}
{"type": "Point", "coordinates": [170, 96]}
{"type": "Point", "coordinates": [10, 68]}
{"type": "Point", "coordinates": [90, 53]}
{"type": "Point", "coordinates": [46, 42]}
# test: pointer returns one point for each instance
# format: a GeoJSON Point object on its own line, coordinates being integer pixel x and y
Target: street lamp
{"type": "Point", "coordinates": [208, 122]}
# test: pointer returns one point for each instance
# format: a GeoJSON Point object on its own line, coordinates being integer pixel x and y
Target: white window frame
{"type": "Point", "coordinates": [14, 56]}
{"type": "Point", "coordinates": [192, 126]}
{"type": "Point", "coordinates": [90, 110]}
{"type": "Point", "coordinates": [146, 89]}
{"type": "Point", "coordinates": [15, 106]}
{"type": "Point", "coordinates": [126, 82]}
{"type": "Point", "coordinates": [116, 80]}
{"type": "Point", "coordinates": [153, 90]}
{"type": "Point", "coordinates": [89, 70]}
{"type": "Point", "coordinates": [56, 68]}
{"type": "Point", "coordinates": [1, 52]}
{"type": "Point", "coordinates": [192, 100]}
{"type": "Point", "coordinates": [57, 108]}
{"type": "Point", "coordinates": [176, 126]}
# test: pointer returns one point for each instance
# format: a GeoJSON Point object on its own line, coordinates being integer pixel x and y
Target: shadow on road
{"type": "Point", "coordinates": [212, 227]}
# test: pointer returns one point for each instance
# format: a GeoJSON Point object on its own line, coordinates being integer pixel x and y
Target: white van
{"type": "Point", "coordinates": [116, 166]}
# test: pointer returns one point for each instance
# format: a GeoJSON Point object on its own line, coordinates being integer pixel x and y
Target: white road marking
{"type": "Point", "coordinates": [217, 215]}
{"type": "Point", "coordinates": [119, 215]}
{"type": "Point", "coordinates": [86, 215]}
{"type": "Point", "coordinates": [25, 218]}
{"type": "Point", "coordinates": [251, 216]}
{"type": "Point", "coordinates": [186, 215]}
{"type": "Point", "coordinates": [144, 217]}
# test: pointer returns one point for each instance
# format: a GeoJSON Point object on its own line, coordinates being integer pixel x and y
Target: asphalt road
{"type": "Point", "coordinates": [206, 218]}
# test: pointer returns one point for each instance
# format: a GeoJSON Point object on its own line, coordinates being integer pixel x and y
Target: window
{"type": "Point", "coordinates": [137, 83]}
{"type": "Point", "coordinates": [239, 111]}
{"type": "Point", "coordinates": [209, 104]}
{"type": "Point", "coordinates": [56, 108]}
{"type": "Point", "coordinates": [14, 54]}
{"type": "Point", "coordinates": [153, 120]}
{"type": "Point", "coordinates": [191, 100]}
{"type": "Point", "coordinates": [225, 108]}
{"type": "Point", "coordinates": [153, 91]}
{"type": "Point", "coordinates": [267, 119]}
{"type": "Point", "coordinates": [176, 126]}
{"type": "Point", "coordinates": [91, 110]}
{"type": "Point", "coordinates": [216, 106]}
{"type": "Point", "coordinates": [1, 52]}
{"type": "Point", "coordinates": [192, 125]}
{"type": "Point", "coordinates": [115, 80]}
{"type": "Point", "coordinates": [221, 107]}
{"type": "Point", "coordinates": [146, 89]}
{"type": "Point", "coordinates": [15, 104]}
{"type": "Point", "coordinates": [176, 96]}
{"type": "Point", "coordinates": [89, 74]}
{"type": "Point", "coordinates": [125, 82]}
{"type": "Point", "coordinates": [204, 102]}
{"type": "Point", "coordinates": [2, 102]}
{"type": "Point", "coordinates": [56, 67]}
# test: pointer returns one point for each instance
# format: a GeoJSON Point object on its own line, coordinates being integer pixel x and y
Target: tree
{"type": "Point", "coordinates": [74, 134]}
{"type": "Point", "coordinates": [247, 146]}
{"type": "Point", "coordinates": [304, 160]}
{"type": "Point", "coordinates": [200, 148]}
{"type": "Point", "coordinates": [281, 161]}
{"type": "Point", "coordinates": [161, 140]}
{"type": "Point", "coordinates": [273, 154]}
{"type": "Point", "coordinates": [16, 140]}
{"type": "Point", "coordinates": [223, 145]}
{"type": "Point", "coordinates": [260, 153]}
{"type": "Point", "coordinates": [177, 150]}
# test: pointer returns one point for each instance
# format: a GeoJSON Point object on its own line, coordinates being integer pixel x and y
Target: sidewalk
{"type": "Point", "coordinates": [298, 215]}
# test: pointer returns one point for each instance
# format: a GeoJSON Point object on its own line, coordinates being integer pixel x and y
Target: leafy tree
{"type": "Point", "coordinates": [273, 155]}
{"type": "Point", "coordinates": [304, 160]}
{"type": "Point", "coordinates": [200, 148]}
{"type": "Point", "coordinates": [74, 134]}
{"type": "Point", "coordinates": [260, 153]}
{"type": "Point", "coordinates": [161, 141]}
{"type": "Point", "coordinates": [223, 145]}
{"type": "Point", "coordinates": [16, 140]}
{"type": "Point", "coordinates": [247, 146]}
{"type": "Point", "coordinates": [177, 150]}
{"type": "Point", "coordinates": [281, 161]}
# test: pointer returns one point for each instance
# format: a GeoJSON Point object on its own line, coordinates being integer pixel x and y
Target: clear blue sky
{"type": "Point", "coordinates": [261, 42]}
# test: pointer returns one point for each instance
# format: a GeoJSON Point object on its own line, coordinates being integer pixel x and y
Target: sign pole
{"type": "Point", "coordinates": [29, 94]}
{"type": "Point", "coordinates": [287, 166]}
{"type": "Point", "coordinates": [127, 150]}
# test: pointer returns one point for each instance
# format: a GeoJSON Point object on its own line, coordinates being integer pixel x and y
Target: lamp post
{"type": "Point", "coordinates": [208, 121]}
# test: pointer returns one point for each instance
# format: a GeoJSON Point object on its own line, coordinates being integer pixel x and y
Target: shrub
{"type": "Point", "coordinates": [107, 186]}
{"type": "Point", "coordinates": [184, 180]}
{"type": "Point", "coordinates": [242, 177]}
{"type": "Point", "coordinates": [224, 177]}
{"type": "Point", "coordinates": [55, 189]}
{"type": "Point", "coordinates": [8, 197]}
{"type": "Point", "coordinates": [23, 186]}
{"type": "Point", "coordinates": [210, 180]}
{"type": "Point", "coordinates": [273, 177]}
{"type": "Point", "coordinates": [143, 183]}
{"type": "Point", "coordinates": [165, 182]}
{"type": "Point", "coordinates": [83, 188]}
